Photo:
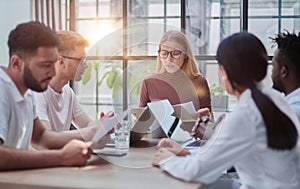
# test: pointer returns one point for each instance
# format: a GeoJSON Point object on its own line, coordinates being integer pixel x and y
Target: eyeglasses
{"type": "Point", "coordinates": [82, 59]}
{"type": "Point", "coordinates": [174, 54]}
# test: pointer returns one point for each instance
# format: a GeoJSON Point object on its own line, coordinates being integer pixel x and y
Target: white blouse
{"type": "Point", "coordinates": [240, 141]}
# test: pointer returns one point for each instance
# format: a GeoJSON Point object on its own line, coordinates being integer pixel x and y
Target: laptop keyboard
{"type": "Point", "coordinates": [195, 143]}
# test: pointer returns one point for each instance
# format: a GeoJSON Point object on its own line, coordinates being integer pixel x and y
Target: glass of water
{"type": "Point", "coordinates": [122, 136]}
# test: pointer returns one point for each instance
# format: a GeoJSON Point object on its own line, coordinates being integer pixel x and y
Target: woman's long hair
{"type": "Point", "coordinates": [190, 66]}
{"type": "Point", "coordinates": [245, 60]}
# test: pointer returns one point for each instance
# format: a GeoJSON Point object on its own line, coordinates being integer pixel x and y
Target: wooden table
{"type": "Point", "coordinates": [131, 171]}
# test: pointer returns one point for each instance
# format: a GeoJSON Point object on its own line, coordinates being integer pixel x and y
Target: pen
{"type": "Point", "coordinates": [195, 128]}
{"type": "Point", "coordinates": [203, 119]}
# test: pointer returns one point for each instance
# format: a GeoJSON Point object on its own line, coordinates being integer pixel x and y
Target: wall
{"type": "Point", "coordinates": [12, 12]}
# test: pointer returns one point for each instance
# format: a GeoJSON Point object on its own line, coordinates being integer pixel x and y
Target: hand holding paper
{"type": "Point", "coordinates": [108, 124]}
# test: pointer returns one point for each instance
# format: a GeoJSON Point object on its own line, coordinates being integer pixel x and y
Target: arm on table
{"type": "Point", "coordinates": [75, 153]}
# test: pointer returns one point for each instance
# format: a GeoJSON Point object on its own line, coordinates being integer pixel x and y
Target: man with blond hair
{"type": "Point", "coordinates": [58, 106]}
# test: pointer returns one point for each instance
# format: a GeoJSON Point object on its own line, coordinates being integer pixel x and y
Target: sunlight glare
{"type": "Point", "coordinates": [99, 31]}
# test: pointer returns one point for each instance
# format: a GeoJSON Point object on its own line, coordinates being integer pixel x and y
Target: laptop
{"type": "Point", "coordinates": [171, 125]}
{"type": "Point", "coordinates": [210, 127]}
{"type": "Point", "coordinates": [144, 120]}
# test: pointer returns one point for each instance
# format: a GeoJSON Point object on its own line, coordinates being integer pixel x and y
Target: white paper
{"type": "Point", "coordinates": [188, 106]}
{"type": "Point", "coordinates": [185, 111]}
{"type": "Point", "coordinates": [108, 124]}
{"type": "Point", "coordinates": [163, 111]}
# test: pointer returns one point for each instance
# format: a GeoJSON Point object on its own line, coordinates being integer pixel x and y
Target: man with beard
{"type": "Point", "coordinates": [286, 68]}
{"type": "Point", "coordinates": [33, 52]}
{"type": "Point", "coordinates": [57, 107]}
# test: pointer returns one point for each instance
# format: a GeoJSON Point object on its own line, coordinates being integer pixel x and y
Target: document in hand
{"type": "Point", "coordinates": [171, 125]}
{"type": "Point", "coordinates": [184, 112]}
{"type": "Point", "coordinates": [108, 124]}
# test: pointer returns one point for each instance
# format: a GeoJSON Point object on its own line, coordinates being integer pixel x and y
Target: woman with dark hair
{"type": "Point", "coordinates": [258, 138]}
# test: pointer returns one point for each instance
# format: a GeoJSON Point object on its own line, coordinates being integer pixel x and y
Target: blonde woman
{"type": "Point", "coordinates": [178, 78]}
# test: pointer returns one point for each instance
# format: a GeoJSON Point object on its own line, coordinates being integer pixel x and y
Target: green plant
{"type": "Point", "coordinates": [219, 98]}
{"type": "Point", "coordinates": [217, 90]}
{"type": "Point", "coordinates": [114, 80]}
{"type": "Point", "coordinates": [113, 77]}
{"type": "Point", "coordinates": [87, 76]}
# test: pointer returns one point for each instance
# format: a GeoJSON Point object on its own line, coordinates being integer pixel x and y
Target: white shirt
{"type": "Point", "coordinates": [59, 109]}
{"type": "Point", "coordinates": [241, 141]}
{"type": "Point", "coordinates": [294, 100]}
{"type": "Point", "coordinates": [17, 114]}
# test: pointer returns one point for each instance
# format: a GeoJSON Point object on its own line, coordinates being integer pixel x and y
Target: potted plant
{"type": "Point", "coordinates": [219, 98]}
{"type": "Point", "coordinates": [113, 77]}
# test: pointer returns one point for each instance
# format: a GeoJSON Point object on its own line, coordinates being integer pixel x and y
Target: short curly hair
{"type": "Point", "coordinates": [289, 48]}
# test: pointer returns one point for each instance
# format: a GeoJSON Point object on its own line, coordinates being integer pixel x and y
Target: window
{"type": "Point", "coordinates": [124, 35]}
